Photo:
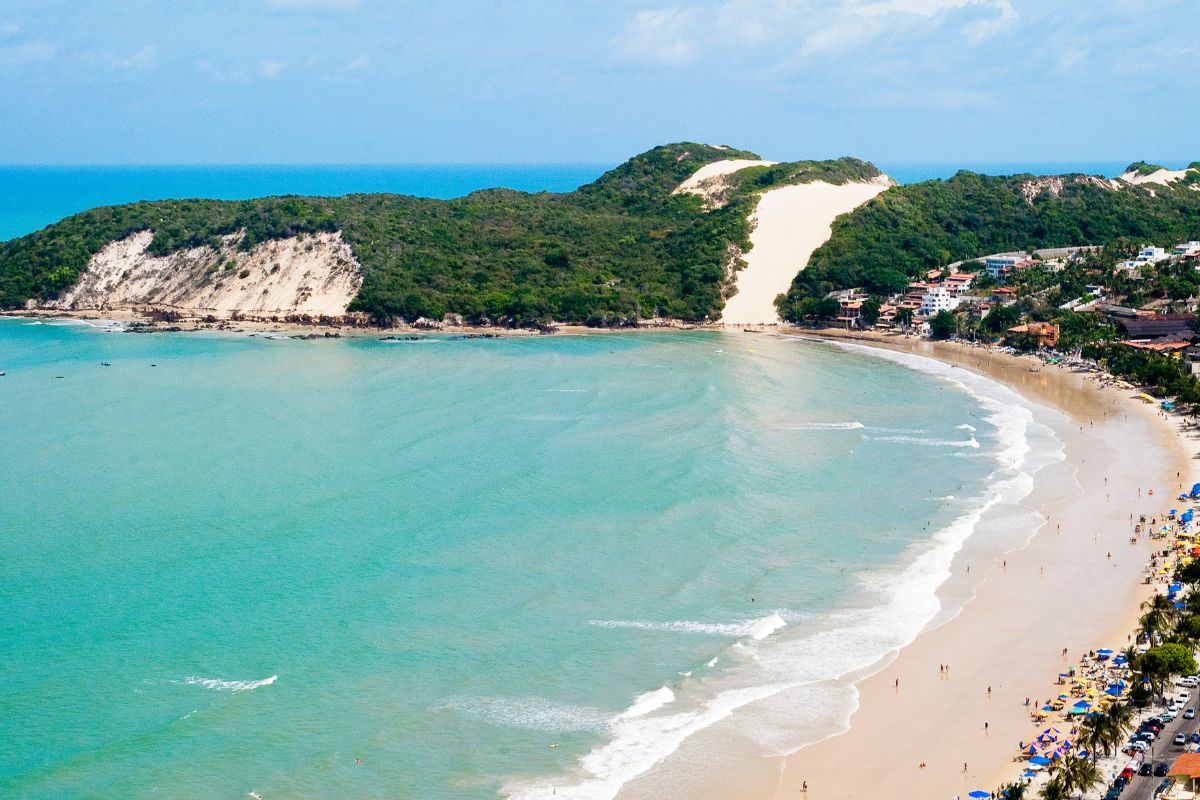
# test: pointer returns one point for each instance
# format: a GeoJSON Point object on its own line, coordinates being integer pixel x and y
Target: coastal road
{"type": "Point", "coordinates": [1142, 786]}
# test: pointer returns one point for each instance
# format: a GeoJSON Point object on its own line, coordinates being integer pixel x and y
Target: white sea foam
{"type": "Point", "coordinates": [923, 442]}
{"type": "Point", "coordinates": [219, 685]}
{"type": "Point", "coordinates": [824, 426]}
{"type": "Point", "coordinates": [568, 391]}
{"type": "Point", "coordinates": [532, 713]}
{"type": "Point", "coordinates": [966, 427]}
{"type": "Point", "coordinates": [829, 655]}
{"type": "Point", "coordinates": [648, 702]}
{"type": "Point", "coordinates": [757, 629]}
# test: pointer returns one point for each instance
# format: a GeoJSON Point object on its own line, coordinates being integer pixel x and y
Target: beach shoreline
{"type": "Point", "coordinates": [1006, 642]}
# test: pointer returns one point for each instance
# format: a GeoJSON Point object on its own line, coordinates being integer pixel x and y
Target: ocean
{"type": "Point", "coordinates": [524, 567]}
{"type": "Point", "coordinates": [461, 568]}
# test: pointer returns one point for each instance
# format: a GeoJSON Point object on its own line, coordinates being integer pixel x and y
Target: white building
{"type": "Point", "coordinates": [939, 298]}
{"type": "Point", "coordinates": [997, 265]}
{"type": "Point", "coordinates": [1187, 248]}
{"type": "Point", "coordinates": [1152, 255]}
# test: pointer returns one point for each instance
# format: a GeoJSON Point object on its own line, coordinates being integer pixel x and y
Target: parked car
{"type": "Point", "coordinates": [1181, 739]}
{"type": "Point", "coordinates": [1169, 715]}
{"type": "Point", "coordinates": [1189, 713]}
{"type": "Point", "coordinates": [1161, 769]}
{"type": "Point", "coordinates": [1183, 696]}
{"type": "Point", "coordinates": [1146, 769]}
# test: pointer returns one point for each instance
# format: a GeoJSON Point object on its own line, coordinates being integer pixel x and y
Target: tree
{"type": "Point", "coordinates": [1078, 774]}
{"type": "Point", "coordinates": [942, 325]}
{"type": "Point", "coordinates": [1165, 661]}
{"type": "Point", "coordinates": [1055, 789]}
{"type": "Point", "coordinates": [904, 317]}
{"type": "Point", "coordinates": [870, 311]}
{"type": "Point", "coordinates": [1014, 791]}
{"type": "Point", "coordinates": [1160, 615]}
{"type": "Point", "coordinates": [827, 308]}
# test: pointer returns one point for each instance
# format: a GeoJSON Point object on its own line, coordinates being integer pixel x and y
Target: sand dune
{"type": "Point", "coordinates": [710, 181]}
{"type": "Point", "coordinates": [1162, 176]}
{"type": "Point", "coordinates": [792, 222]}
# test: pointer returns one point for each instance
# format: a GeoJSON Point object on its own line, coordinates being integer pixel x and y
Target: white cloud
{"type": "Point", "coordinates": [271, 69]}
{"type": "Point", "coordinates": [357, 65]}
{"type": "Point", "coordinates": [142, 59]}
{"type": "Point", "coordinates": [681, 33]}
{"type": "Point", "coordinates": [661, 36]}
{"type": "Point", "coordinates": [27, 53]}
{"type": "Point", "coordinates": [312, 5]}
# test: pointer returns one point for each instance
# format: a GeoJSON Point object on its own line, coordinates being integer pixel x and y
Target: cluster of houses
{"type": "Point", "coordinates": [1153, 256]}
{"type": "Point", "coordinates": [950, 289]}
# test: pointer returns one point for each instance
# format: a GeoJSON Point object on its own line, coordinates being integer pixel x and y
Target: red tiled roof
{"type": "Point", "coordinates": [1187, 765]}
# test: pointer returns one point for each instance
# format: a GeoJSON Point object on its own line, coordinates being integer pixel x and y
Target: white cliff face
{"type": "Point", "coordinates": [315, 275]}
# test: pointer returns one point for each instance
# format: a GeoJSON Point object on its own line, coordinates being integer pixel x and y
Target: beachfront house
{"type": "Point", "coordinates": [1046, 333]}
{"type": "Point", "coordinates": [1185, 773]}
{"type": "Point", "coordinates": [938, 298]}
{"type": "Point", "coordinates": [1187, 249]}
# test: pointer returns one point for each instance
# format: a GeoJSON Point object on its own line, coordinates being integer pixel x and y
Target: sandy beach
{"type": "Point", "coordinates": [1061, 591]}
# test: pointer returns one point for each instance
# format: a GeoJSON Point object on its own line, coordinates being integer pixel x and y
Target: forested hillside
{"type": "Point", "coordinates": [910, 229]}
{"type": "Point", "coordinates": [615, 251]}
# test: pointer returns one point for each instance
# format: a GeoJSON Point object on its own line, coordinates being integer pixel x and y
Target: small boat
{"type": "Point", "coordinates": [254, 795]}
{"type": "Point", "coordinates": [105, 364]}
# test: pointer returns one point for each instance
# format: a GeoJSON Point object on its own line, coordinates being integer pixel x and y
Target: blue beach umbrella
{"type": "Point", "coordinates": [1047, 708]}
{"type": "Point", "coordinates": [1104, 651]}
{"type": "Point", "coordinates": [1180, 605]}
{"type": "Point", "coordinates": [1041, 761]}
{"type": "Point", "coordinates": [1119, 660]}
{"type": "Point", "coordinates": [979, 793]}
{"type": "Point", "coordinates": [1083, 704]}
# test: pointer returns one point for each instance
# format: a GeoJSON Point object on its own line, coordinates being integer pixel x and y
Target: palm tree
{"type": "Point", "coordinates": [1078, 774]}
{"type": "Point", "coordinates": [1093, 736]}
{"type": "Point", "coordinates": [1055, 789]}
{"type": "Point", "coordinates": [1014, 791]}
{"type": "Point", "coordinates": [1159, 617]}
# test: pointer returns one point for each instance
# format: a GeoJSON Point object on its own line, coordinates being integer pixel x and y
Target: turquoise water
{"type": "Point", "coordinates": [234, 564]}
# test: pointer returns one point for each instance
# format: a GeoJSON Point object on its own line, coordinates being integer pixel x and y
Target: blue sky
{"type": "Point", "coordinates": [338, 81]}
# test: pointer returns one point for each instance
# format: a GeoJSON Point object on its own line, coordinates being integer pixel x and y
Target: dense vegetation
{"type": "Point", "coordinates": [911, 229]}
{"type": "Point", "coordinates": [620, 249]}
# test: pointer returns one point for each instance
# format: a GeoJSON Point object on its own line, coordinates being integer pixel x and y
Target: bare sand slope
{"type": "Point", "coordinates": [315, 275]}
{"type": "Point", "coordinates": [711, 180]}
{"type": "Point", "coordinates": [791, 222]}
{"type": "Point", "coordinates": [1162, 176]}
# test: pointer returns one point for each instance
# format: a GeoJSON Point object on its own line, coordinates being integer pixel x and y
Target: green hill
{"type": "Point", "coordinates": [620, 249]}
{"type": "Point", "coordinates": [910, 229]}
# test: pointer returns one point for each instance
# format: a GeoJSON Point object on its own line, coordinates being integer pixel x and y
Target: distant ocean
{"type": "Point", "coordinates": [33, 197]}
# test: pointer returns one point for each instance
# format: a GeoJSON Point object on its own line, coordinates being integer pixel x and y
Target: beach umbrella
{"type": "Point", "coordinates": [979, 793]}
{"type": "Point", "coordinates": [1104, 651]}
{"type": "Point", "coordinates": [1113, 691]}
{"type": "Point", "coordinates": [1119, 660]}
